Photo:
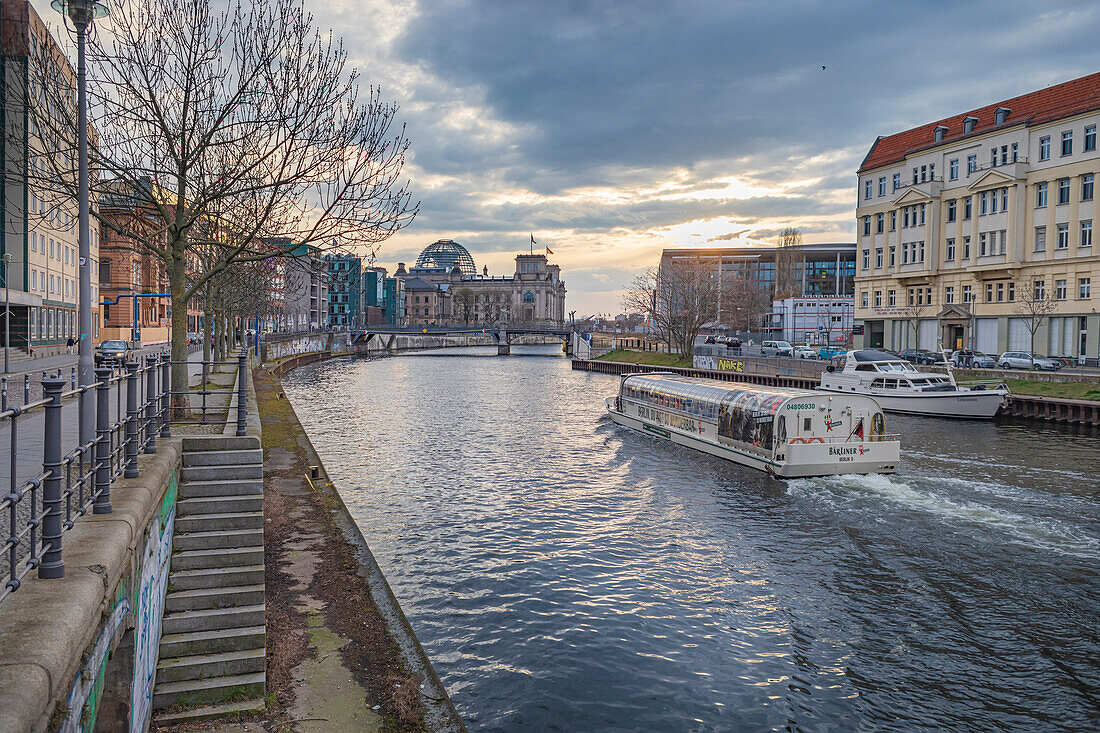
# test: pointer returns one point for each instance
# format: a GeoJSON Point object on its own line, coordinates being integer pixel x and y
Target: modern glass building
{"type": "Point", "coordinates": [819, 269]}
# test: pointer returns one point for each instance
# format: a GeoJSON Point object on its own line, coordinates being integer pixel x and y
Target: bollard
{"type": "Point", "coordinates": [102, 503]}
{"type": "Point", "coordinates": [132, 412]}
{"type": "Point", "coordinates": [242, 392]}
{"type": "Point", "coordinates": [26, 388]}
{"type": "Point", "coordinates": [72, 380]}
{"type": "Point", "coordinates": [4, 399]}
{"type": "Point", "coordinates": [165, 395]}
{"type": "Point", "coordinates": [51, 565]}
{"type": "Point", "coordinates": [151, 403]}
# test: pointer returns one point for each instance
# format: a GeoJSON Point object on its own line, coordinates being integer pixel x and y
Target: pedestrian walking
{"type": "Point", "coordinates": [69, 344]}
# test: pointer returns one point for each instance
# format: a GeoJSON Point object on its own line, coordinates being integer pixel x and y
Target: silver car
{"type": "Point", "coordinates": [966, 358]}
{"type": "Point", "coordinates": [1025, 360]}
{"type": "Point", "coordinates": [805, 352]}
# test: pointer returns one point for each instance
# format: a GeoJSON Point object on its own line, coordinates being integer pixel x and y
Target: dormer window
{"type": "Point", "coordinates": [1001, 115]}
{"type": "Point", "coordinates": [968, 124]}
{"type": "Point", "coordinates": [940, 132]}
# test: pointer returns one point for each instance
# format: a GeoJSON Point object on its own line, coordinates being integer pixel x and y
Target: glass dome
{"type": "Point", "coordinates": [444, 255]}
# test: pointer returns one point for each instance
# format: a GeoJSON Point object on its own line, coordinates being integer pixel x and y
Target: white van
{"type": "Point", "coordinates": [776, 348]}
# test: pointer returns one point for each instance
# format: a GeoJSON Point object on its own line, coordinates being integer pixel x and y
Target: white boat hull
{"type": "Point", "coordinates": [799, 460]}
{"type": "Point", "coordinates": [973, 405]}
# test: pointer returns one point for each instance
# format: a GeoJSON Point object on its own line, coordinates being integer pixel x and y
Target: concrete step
{"type": "Point", "coordinates": [212, 642]}
{"type": "Point", "coordinates": [216, 577]}
{"type": "Point", "coordinates": [213, 619]}
{"type": "Point", "coordinates": [219, 557]}
{"type": "Point", "coordinates": [218, 538]}
{"type": "Point", "coordinates": [219, 522]}
{"type": "Point", "coordinates": [223, 457]}
{"type": "Point", "coordinates": [214, 689]}
{"type": "Point", "coordinates": [210, 712]}
{"type": "Point", "coordinates": [203, 666]}
{"type": "Point", "coordinates": [200, 598]}
{"type": "Point", "coordinates": [240, 487]}
{"type": "Point", "coordinates": [221, 473]}
{"type": "Point", "coordinates": [195, 443]}
{"type": "Point", "coordinates": [219, 505]}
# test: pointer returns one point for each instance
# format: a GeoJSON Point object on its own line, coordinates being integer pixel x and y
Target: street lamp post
{"type": "Point", "coordinates": [82, 13]}
{"type": "Point", "coordinates": [7, 311]}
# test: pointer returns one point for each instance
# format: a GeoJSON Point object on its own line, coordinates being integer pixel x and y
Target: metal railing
{"type": "Point", "coordinates": [131, 409]}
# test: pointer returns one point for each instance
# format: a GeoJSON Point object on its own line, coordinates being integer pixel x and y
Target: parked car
{"type": "Point", "coordinates": [113, 353]}
{"type": "Point", "coordinates": [828, 352]}
{"type": "Point", "coordinates": [1026, 360]}
{"type": "Point", "coordinates": [712, 339]}
{"type": "Point", "coordinates": [733, 343]}
{"type": "Point", "coordinates": [194, 338]}
{"type": "Point", "coordinates": [970, 359]}
{"type": "Point", "coordinates": [921, 356]}
{"type": "Point", "coordinates": [776, 348]}
{"type": "Point", "coordinates": [805, 352]}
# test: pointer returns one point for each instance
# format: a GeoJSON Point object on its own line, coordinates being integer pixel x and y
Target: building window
{"type": "Point", "coordinates": [966, 208]}
{"type": "Point", "coordinates": [905, 253]}
{"type": "Point", "coordinates": [893, 220]}
{"type": "Point", "coordinates": [893, 298]}
{"type": "Point", "coordinates": [1088, 183]}
{"type": "Point", "coordinates": [1090, 138]}
{"type": "Point", "coordinates": [1040, 195]}
{"type": "Point", "coordinates": [880, 223]}
{"type": "Point", "coordinates": [1086, 233]}
{"type": "Point", "coordinates": [897, 181]}
{"type": "Point", "coordinates": [882, 186]}
{"type": "Point", "coordinates": [863, 299]}
{"type": "Point", "coordinates": [951, 208]}
{"type": "Point", "coordinates": [905, 217]}
{"type": "Point", "coordinates": [866, 226]}
{"type": "Point", "coordinates": [867, 188]}
{"type": "Point", "coordinates": [878, 257]}
{"type": "Point", "coordinates": [949, 255]}
{"type": "Point", "coordinates": [953, 169]}
{"type": "Point", "coordinates": [1040, 290]}
{"type": "Point", "coordinates": [968, 294]}
{"type": "Point", "coordinates": [989, 292]}
{"type": "Point", "coordinates": [866, 259]}
{"type": "Point", "coordinates": [1000, 292]}
{"type": "Point", "coordinates": [971, 163]}
{"type": "Point", "coordinates": [983, 203]}
{"type": "Point", "coordinates": [1044, 148]}
{"type": "Point", "coordinates": [1059, 289]}
{"type": "Point", "coordinates": [1040, 239]}
{"type": "Point", "coordinates": [1067, 142]}
{"type": "Point", "coordinates": [949, 295]}
{"type": "Point", "coordinates": [1084, 288]}
{"type": "Point", "coordinates": [1063, 236]}
{"type": "Point", "coordinates": [878, 298]}
{"type": "Point", "coordinates": [1063, 191]}
{"type": "Point", "coordinates": [893, 255]}
{"type": "Point", "coordinates": [1015, 152]}
{"type": "Point", "coordinates": [921, 252]}
{"type": "Point", "coordinates": [983, 240]}
{"type": "Point", "coordinates": [922, 213]}
{"type": "Point", "coordinates": [966, 248]}
{"type": "Point", "coordinates": [1004, 200]}
{"type": "Point", "coordinates": [1012, 292]}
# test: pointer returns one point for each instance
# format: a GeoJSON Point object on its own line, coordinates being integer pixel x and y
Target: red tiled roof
{"type": "Point", "coordinates": [1054, 102]}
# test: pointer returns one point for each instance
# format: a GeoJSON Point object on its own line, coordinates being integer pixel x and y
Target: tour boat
{"type": "Point", "coordinates": [900, 387]}
{"type": "Point", "coordinates": [785, 431]}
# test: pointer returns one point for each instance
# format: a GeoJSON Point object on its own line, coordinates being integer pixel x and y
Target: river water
{"type": "Point", "coordinates": [567, 574]}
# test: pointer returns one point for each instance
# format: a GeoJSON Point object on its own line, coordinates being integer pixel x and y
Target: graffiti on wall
{"type": "Point", "coordinates": [83, 701]}
{"type": "Point", "coordinates": [149, 607]}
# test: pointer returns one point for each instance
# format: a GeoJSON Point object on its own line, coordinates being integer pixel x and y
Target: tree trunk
{"type": "Point", "coordinates": [177, 282]}
{"type": "Point", "coordinates": [208, 321]}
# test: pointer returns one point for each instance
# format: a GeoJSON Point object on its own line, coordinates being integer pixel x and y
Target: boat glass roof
{"type": "Point", "coordinates": [711, 389]}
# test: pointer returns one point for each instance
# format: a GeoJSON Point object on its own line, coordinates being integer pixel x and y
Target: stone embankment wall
{"type": "Point", "coordinates": [84, 647]}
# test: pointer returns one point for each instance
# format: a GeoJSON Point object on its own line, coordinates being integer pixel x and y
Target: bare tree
{"type": "Point", "coordinates": [1034, 307]}
{"type": "Point", "coordinates": [788, 257]}
{"type": "Point", "coordinates": [465, 302]}
{"type": "Point", "coordinates": [743, 302]}
{"type": "Point", "coordinates": [682, 297]}
{"type": "Point", "coordinates": [229, 127]}
{"type": "Point", "coordinates": [913, 314]}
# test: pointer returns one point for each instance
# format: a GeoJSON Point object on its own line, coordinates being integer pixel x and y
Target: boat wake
{"type": "Point", "coordinates": [932, 496]}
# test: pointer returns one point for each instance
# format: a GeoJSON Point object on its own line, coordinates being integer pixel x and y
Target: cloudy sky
{"type": "Point", "coordinates": [614, 129]}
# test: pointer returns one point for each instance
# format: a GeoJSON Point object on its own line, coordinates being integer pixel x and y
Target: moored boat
{"type": "Point", "coordinates": [785, 431]}
{"type": "Point", "coordinates": [898, 386]}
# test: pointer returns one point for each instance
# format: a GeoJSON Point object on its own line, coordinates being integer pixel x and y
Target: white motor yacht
{"type": "Point", "coordinates": [900, 387]}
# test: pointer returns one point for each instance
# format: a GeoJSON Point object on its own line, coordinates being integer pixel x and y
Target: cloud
{"type": "Point", "coordinates": [612, 130]}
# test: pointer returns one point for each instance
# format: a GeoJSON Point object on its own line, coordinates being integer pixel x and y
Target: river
{"type": "Point", "coordinates": [567, 574]}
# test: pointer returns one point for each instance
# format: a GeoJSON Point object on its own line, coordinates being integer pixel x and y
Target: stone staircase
{"type": "Point", "coordinates": [213, 637]}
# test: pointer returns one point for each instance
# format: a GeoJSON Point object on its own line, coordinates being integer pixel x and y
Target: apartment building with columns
{"type": "Point", "coordinates": [964, 223]}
